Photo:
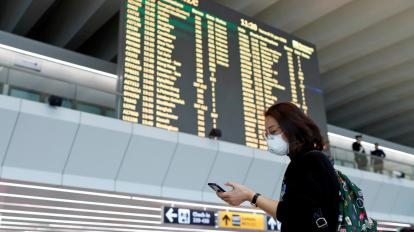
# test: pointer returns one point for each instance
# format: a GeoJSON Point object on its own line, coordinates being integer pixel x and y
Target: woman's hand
{"type": "Point", "coordinates": [237, 195]}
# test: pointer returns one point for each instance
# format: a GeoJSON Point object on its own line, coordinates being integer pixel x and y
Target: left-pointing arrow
{"type": "Point", "coordinates": [171, 215]}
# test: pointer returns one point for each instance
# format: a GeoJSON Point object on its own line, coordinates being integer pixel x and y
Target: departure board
{"type": "Point", "coordinates": [193, 65]}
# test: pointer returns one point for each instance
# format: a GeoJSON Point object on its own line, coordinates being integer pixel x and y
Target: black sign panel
{"type": "Point", "coordinates": [272, 224]}
{"type": "Point", "coordinates": [193, 65]}
{"type": "Point", "coordinates": [185, 216]}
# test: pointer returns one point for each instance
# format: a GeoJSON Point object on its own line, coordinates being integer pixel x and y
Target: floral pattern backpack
{"type": "Point", "coordinates": [352, 214]}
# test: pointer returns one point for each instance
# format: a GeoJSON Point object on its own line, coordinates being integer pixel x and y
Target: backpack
{"type": "Point", "coordinates": [352, 214]}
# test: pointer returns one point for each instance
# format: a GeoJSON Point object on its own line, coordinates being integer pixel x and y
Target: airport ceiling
{"type": "Point", "coordinates": [365, 48]}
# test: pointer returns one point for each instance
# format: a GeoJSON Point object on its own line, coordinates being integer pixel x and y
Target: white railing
{"type": "Point", "coordinates": [367, 162]}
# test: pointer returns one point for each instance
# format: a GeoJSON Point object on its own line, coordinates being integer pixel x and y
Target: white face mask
{"type": "Point", "coordinates": [277, 145]}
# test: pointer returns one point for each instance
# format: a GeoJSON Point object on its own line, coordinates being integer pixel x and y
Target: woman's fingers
{"type": "Point", "coordinates": [226, 197]}
{"type": "Point", "coordinates": [228, 200]}
{"type": "Point", "coordinates": [233, 197]}
{"type": "Point", "coordinates": [223, 194]}
{"type": "Point", "coordinates": [231, 184]}
{"type": "Point", "coordinates": [231, 200]}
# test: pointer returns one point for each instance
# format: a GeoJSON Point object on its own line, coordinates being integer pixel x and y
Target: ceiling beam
{"type": "Point", "coordinates": [399, 133]}
{"type": "Point", "coordinates": [399, 121]}
{"type": "Point", "coordinates": [371, 64]}
{"type": "Point", "coordinates": [374, 38]}
{"type": "Point", "coordinates": [255, 7]}
{"type": "Point", "coordinates": [290, 15]}
{"type": "Point", "coordinates": [383, 97]}
{"type": "Point", "coordinates": [104, 43]}
{"type": "Point", "coordinates": [61, 26]}
{"type": "Point", "coordinates": [33, 13]}
{"type": "Point", "coordinates": [350, 19]}
{"type": "Point", "coordinates": [11, 11]}
{"type": "Point", "coordinates": [361, 88]}
{"type": "Point", "coordinates": [104, 13]}
{"type": "Point", "coordinates": [247, 7]}
{"type": "Point", "coordinates": [236, 5]}
{"type": "Point", "coordinates": [380, 112]}
{"type": "Point", "coordinates": [406, 140]}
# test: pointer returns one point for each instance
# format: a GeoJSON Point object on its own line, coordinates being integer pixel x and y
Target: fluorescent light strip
{"type": "Point", "coordinates": [28, 212]}
{"type": "Point", "coordinates": [36, 55]}
{"type": "Point", "coordinates": [101, 228]}
{"type": "Point", "coordinates": [5, 222]}
{"type": "Point", "coordinates": [110, 229]}
{"type": "Point", "coordinates": [106, 229]}
{"type": "Point", "coordinates": [32, 226]}
{"type": "Point", "coordinates": [77, 227]}
{"type": "Point", "coordinates": [81, 210]}
{"type": "Point", "coordinates": [394, 224]}
{"type": "Point", "coordinates": [133, 198]}
{"type": "Point", "coordinates": [108, 224]}
{"type": "Point", "coordinates": [65, 190]}
{"type": "Point", "coordinates": [63, 221]}
{"type": "Point", "coordinates": [370, 144]}
{"type": "Point", "coordinates": [79, 202]}
{"type": "Point", "coordinates": [386, 229]}
{"type": "Point", "coordinates": [30, 229]}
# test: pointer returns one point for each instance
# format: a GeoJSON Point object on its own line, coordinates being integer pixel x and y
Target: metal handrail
{"type": "Point", "coordinates": [73, 96]}
{"type": "Point", "coordinates": [119, 94]}
{"type": "Point", "coordinates": [369, 155]}
{"type": "Point", "coordinates": [387, 165]}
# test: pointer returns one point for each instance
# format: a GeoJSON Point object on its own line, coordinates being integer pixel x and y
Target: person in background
{"type": "Point", "coordinates": [378, 159]}
{"type": "Point", "coordinates": [359, 152]}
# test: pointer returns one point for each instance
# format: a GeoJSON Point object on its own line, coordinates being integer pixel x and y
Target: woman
{"type": "Point", "coordinates": [310, 189]}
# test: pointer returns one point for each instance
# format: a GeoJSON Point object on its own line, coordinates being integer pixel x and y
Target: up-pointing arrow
{"type": "Point", "coordinates": [171, 215]}
{"type": "Point", "coordinates": [272, 223]}
{"type": "Point", "coordinates": [226, 219]}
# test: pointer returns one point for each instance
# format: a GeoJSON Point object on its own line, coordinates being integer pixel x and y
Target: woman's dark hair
{"type": "Point", "coordinates": [301, 132]}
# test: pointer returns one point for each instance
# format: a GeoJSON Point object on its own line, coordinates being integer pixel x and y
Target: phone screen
{"type": "Point", "coordinates": [216, 187]}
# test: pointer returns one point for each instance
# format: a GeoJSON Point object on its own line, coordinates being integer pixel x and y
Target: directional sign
{"type": "Point", "coordinates": [247, 221]}
{"type": "Point", "coordinates": [272, 224]}
{"type": "Point", "coordinates": [170, 215]}
{"type": "Point", "coordinates": [188, 217]}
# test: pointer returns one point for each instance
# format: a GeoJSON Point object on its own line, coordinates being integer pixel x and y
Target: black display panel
{"type": "Point", "coordinates": [194, 65]}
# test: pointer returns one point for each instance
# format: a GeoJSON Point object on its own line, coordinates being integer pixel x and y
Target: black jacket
{"type": "Point", "coordinates": [358, 147]}
{"type": "Point", "coordinates": [310, 183]}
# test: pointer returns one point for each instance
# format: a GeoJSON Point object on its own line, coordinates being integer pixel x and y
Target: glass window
{"type": "Point", "coordinates": [89, 108]}
{"type": "Point", "coordinates": [24, 94]}
{"type": "Point", "coordinates": [3, 74]}
{"type": "Point", "coordinates": [66, 103]}
{"type": "Point", "coordinates": [110, 113]}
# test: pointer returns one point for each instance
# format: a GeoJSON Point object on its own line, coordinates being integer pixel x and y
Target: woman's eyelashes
{"type": "Point", "coordinates": [274, 132]}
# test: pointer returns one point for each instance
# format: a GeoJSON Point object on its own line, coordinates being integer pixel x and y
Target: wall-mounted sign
{"type": "Point", "coordinates": [184, 216]}
{"type": "Point", "coordinates": [272, 224]}
{"type": "Point", "coordinates": [28, 63]}
{"type": "Point", "coordinates": [236, 220]}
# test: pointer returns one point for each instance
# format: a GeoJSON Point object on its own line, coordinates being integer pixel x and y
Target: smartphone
{"type": "Point", "coordinates": [216, 187]}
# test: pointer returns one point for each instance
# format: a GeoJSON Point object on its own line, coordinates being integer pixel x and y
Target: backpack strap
{"type": "Point", "coordinates": [320, 221]}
